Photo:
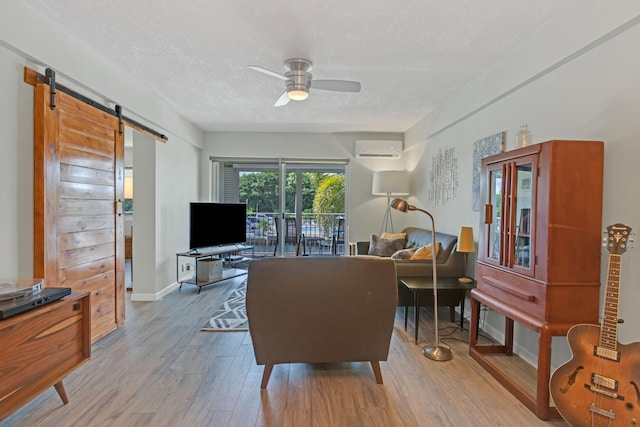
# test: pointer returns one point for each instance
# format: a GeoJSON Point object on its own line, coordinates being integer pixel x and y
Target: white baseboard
{"type": "Point", "coordinates": [154, 297]}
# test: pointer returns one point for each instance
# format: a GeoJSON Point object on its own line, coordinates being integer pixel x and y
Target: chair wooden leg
{"type": "Point", "coordinates": [376, 371]}
{"type": "Point", "coordinates": [266, 375]}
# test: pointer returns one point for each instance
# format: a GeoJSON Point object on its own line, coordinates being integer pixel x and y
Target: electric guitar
{"type": "Point", "coordinates": [600, 385]}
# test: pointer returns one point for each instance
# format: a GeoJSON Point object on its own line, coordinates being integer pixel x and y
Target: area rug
{"type": "Point", "coordinates": [231, 316]}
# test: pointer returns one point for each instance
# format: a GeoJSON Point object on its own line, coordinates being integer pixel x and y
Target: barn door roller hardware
{"type": "Point", "coordinates": [49, 78]}
{"type": "Point", "coordinates": [51, 81]}
{"type": "Point", "coordinates": [120, 123]}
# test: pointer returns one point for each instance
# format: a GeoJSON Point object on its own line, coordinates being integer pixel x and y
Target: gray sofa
{"type": "Point", "coordinates": [449, 263]}
{"type": "Point", "coordinates": [296, 316]}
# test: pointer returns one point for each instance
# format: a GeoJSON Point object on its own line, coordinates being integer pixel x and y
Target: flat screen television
{"type": "Point", "coordinates": [215, 224]}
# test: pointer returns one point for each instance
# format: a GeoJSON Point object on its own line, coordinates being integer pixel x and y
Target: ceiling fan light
{"type": "Point", "coordinates": [298, 95]}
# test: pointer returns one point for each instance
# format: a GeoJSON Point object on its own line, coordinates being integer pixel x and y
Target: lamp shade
{"type": "Point", "coordinates": [465, 240]}
{"type": "Point", "coordinates": [390, 183]}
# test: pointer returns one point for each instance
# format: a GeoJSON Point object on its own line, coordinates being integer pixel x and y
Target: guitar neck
{"type": "Point", "coordinates": [609, 330]}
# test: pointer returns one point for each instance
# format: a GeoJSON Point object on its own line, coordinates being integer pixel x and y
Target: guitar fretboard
{"type": "Point", "coordinates": [609, 330]}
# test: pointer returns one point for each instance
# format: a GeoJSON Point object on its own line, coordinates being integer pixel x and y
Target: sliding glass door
{"type": "Point", "coordinates": [315, 204]}
{"type": "Point", "coordinates": [294, 207]}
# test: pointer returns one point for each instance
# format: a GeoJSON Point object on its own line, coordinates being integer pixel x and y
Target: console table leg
{"type": "Point", "coordinates": [543, 410]}
{"type": "Point", "coordinates": [474, 323]}
{"type": "Point", "coordinates": [61, 392]}
{"type": "Point", "coordinates": [508, 336]}
{"type": "Point", "coordinates": [406, 307]}
{"type": "Point", "coordinates": [462, 310]}
{"type": "Point", "coordinates": [416, 314]}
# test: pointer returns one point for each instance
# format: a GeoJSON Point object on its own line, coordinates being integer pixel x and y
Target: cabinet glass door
{"type": "Point", "coordinates": [523, 231]}
{"type": "Point", "coordinates": [494, 226]}
{"type": "Point", "coordinates": [509, 215]}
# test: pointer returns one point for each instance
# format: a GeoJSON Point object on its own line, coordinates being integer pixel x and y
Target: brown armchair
{"type": "Point", "coordinates": [321, 310]}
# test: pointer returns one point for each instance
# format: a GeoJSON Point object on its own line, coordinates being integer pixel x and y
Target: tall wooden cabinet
{"type": "Point", "coordinates": [539, 250]}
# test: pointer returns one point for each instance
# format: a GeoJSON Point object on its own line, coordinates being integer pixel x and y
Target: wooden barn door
{"type": "Point", "coordinates": [78, 183]}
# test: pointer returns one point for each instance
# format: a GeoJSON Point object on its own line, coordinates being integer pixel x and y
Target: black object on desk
{"type": "Point", "coordinates": [15, 306]}
{"type": "Point", "coordinates": [418, 285]}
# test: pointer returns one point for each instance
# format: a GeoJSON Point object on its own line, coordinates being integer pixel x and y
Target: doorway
{"type": "Point", "coordinates": [128, 209]}
{"type": "Point", "coordinates": [314, 199]}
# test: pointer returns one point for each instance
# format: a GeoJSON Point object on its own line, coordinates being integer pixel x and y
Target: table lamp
{"type": "Point", "coordinates": [434, 352]}
{"type": "Point", "coordinates": [466, 246]}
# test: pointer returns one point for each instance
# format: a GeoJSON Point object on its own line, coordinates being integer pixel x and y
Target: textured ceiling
{"type": "Point", "coordinates": [408, 55]}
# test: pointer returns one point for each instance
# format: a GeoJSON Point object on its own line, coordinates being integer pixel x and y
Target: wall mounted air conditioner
{"type": "Point", "coordinates": [378, 149]}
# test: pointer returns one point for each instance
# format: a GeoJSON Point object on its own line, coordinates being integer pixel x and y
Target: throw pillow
{"type": "Point", "coordinates": [384, 247]}
{"type": "Point", "coordinates": [404, 253]}
{"type": "Point", "coordinates": [387, 235]}
{"type": "Point", "coordinates": [426, 252]}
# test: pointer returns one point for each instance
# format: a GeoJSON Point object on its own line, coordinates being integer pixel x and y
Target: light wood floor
{"type": "Point", "coordinates": [160, 370]}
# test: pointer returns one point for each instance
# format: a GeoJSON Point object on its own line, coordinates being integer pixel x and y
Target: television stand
{"type": "Point", "coordinates": [230, 255]}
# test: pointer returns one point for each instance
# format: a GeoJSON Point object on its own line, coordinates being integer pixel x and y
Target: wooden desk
{"type": "Point", "coordinates": [418, 285]}
{"type": "Point", "coordinates": [40, 347]}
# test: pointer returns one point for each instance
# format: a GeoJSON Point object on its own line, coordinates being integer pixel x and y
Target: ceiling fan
{"type": "Point", "coordinates": [298, 80]}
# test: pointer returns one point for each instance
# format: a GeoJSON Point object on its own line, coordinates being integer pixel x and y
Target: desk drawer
{"type": "Point", "coordinates": [40, 347]}
{"type": "Point", "coordinates": [521, 293]}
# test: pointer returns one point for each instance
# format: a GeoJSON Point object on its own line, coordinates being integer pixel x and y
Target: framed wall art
{"type": "Point", "coordinates": [444, 176]}
{"type": "Point", "coordinates": [482, 148]}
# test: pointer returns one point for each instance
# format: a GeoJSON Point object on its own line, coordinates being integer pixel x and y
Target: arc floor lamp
{"type": "Point", "coordinates": [436, 351]}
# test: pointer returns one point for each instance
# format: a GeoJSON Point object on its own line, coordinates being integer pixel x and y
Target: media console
{"type": "Point", "coordinates": [40, 347]}
{"type": "Point", "coordinates": [229, 255]}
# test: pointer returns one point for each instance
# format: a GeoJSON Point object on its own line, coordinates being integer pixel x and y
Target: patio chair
{"type": "Point", "coordinates": [338, 236]}
{"type": "Point", "coordinates": [291, 235]}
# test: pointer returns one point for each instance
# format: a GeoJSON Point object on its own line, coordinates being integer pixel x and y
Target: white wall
{"type": "Point", "coordinates": [174, 192]}
{"type": "Point", "coordinates": [577, 78]}
{"type": "Point", "coordinates": [365, 211]}
{"type": "Point", "coordinates": [16, 169]}
{"type": "Point", "coordinates": [144, 240]}
{"type": "Point", "coordinates": [27, 39]}
{"type": "Point", "coordinates": [165, 182]}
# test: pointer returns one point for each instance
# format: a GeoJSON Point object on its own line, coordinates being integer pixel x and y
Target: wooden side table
{"type": "Point", "coordinates": [418, 285]}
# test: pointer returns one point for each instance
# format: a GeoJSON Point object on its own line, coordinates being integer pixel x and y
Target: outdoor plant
{"type": "Point", "coordinates": [264, 226]}
{"type": "Point", "coordinates": [329, 199]}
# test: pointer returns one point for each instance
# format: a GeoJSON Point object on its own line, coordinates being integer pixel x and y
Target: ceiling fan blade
{"type": "Point", "coordinates": [337, 85]}
{"type": "Point", "coordinates": [283, 100]}
{"type": "Point", "coordinates": [268, 72]}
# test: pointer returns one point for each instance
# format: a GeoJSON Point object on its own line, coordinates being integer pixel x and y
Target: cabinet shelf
{"type": "Point", "coordinates": [227, 273]}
